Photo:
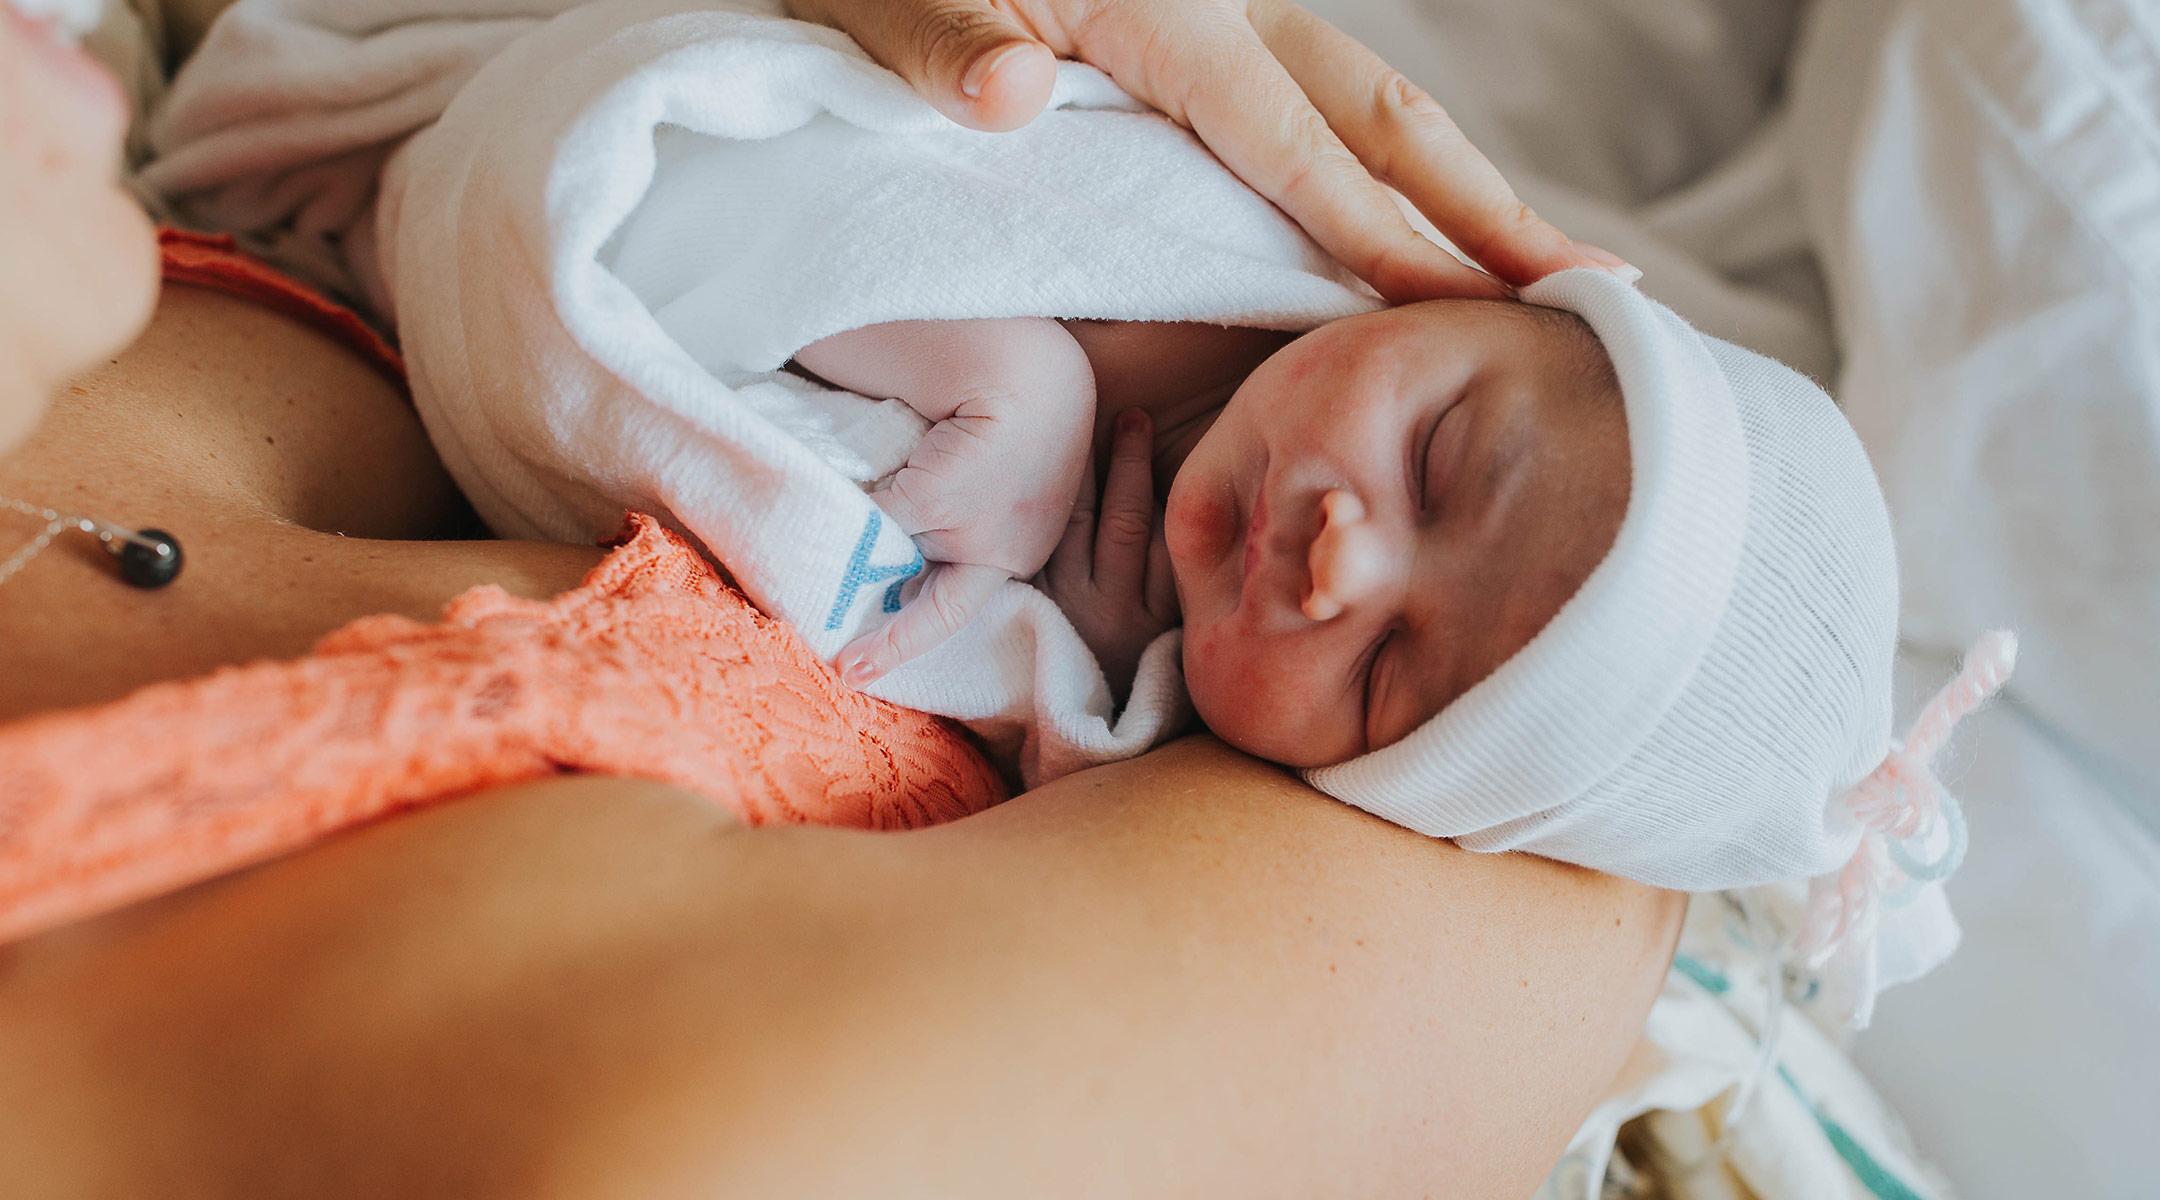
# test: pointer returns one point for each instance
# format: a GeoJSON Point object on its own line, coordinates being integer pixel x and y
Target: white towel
{"type": "Point", "coordinates": [757, 184]}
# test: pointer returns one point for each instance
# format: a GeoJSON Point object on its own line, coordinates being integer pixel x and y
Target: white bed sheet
{"type": "Point", "coordinates": [2029, 1064]}
{"type": "Point", "coordinates": [1982, 188]}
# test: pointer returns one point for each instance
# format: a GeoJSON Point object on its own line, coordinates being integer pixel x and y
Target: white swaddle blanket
{"type": "Point", "coordinates": [631, 218]}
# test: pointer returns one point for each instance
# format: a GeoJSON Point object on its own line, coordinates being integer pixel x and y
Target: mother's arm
{"type": "Point", "coordinates": [1183, 975]}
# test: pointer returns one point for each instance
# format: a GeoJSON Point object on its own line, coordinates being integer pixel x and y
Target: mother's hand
{"type": "Point", "coordinates": [1302, 112]}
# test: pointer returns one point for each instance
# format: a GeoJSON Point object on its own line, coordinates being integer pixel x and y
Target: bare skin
{"type": "Point", "coordinates": [1157, 979]}
{"type": "Point", "coordinates": [1185, 975]}
{"type": "Point", "coordinates": [289, 471]}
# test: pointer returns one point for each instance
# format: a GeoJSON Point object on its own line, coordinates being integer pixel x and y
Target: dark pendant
{"type": "Point", "coordinates": [150, 560]}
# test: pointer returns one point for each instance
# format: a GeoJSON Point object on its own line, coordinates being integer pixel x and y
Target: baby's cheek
{"type": "Point", "coordinates": [1254, 702]}
{"type": "Point", "coordinates": [1199, 526]}
{"type": "Point", "coordinates": [1216, 676]}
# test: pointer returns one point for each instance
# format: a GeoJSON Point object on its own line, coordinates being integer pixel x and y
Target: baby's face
{"type": "Point", "coordinates": [1388, 509]}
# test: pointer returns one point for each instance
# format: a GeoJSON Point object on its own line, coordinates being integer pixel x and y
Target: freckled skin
{"type": "Point", "coordinates": [1527, 476]}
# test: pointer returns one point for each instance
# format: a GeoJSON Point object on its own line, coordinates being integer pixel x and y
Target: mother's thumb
{"type": "Point", "coordinates": [972, 62]}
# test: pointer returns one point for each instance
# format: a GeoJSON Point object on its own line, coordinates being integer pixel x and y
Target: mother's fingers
{"type": "Point", "coordinates": [1406, 139]}
{"type": "Point", "coordinates": [970, 60]}
{"type": "Point", "coordinates": [1299, 110]}
{"type": "Point", "coordinates": [1230, 88]}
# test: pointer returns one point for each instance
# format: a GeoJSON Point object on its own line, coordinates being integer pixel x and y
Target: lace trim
{"type": "Point", "coordinates": [652, 668]}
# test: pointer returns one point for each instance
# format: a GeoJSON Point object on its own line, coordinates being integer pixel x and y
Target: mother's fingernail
{"type": "Point", "coordinates": [971, 84]}
{"type": "Point", "coordinates": [1612, 264]}
{"type": "Point", "coordinates": [1131, 423]}
{"type": "Point", "coordinates": [1598, 254]}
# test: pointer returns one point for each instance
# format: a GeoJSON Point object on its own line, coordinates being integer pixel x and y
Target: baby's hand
{"type": "Point", "coordinates": [992, 484]}
{"type": "Point", "coordinates": [986, 492]}
{"type": "Point", "coordinates": [985, 495]}
{"type": "Point", "coordinates": [1111, 571]}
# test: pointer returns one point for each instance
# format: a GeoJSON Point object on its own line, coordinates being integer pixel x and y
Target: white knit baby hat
{"type": "Point", "coordinates": [1703, 713]}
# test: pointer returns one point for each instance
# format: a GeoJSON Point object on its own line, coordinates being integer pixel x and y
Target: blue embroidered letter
{"type": "Point", "coordinates": [860, 572]}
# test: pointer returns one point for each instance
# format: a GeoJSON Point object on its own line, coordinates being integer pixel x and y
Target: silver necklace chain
{"type": "Point", "coordinates": [56, 523]}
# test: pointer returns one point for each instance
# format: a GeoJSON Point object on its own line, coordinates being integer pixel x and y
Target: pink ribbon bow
{"type": "Point", "coordinates": [1900, 805]}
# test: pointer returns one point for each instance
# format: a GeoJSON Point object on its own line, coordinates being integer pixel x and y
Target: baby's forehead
{"type": "Point", "coordinates": [1449, 335]}
{"type": "Point", "coordinates": [1485, 323]}
{"type": "Point", "coordinates": [1510, 322]}
{"type": "Point", "coordinates": [1579, 346]}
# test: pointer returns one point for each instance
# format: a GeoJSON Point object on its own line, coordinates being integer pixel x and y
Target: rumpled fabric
{"type": "Point", "coordinates": [1983, 186]}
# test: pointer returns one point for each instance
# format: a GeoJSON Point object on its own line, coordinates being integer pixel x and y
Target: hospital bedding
{"type": "Point", "coordinates": [2029, 1064]}
{"type": "Point", "coordinates": [1982, 183]}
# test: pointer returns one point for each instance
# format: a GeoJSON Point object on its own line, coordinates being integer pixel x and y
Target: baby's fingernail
{"type": "Point", "coordinates": [971, 84]}
{"type": "Point", "coordinates": [861, 673]}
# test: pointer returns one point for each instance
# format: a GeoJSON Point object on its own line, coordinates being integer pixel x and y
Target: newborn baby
{"type": "Point", "coordinates": [1563, 575]}
{"type": "Point", "coordinates": [1376, 518]}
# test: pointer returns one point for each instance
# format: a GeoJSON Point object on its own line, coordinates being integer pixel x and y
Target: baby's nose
{"type": "Point", "coordinates": [1348, 561]}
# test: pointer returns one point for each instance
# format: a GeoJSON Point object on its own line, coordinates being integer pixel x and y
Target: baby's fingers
{"type": "Point", "coordinates": [1127, 514]}
{"type": "Point", "coordinates": [951, 595]}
